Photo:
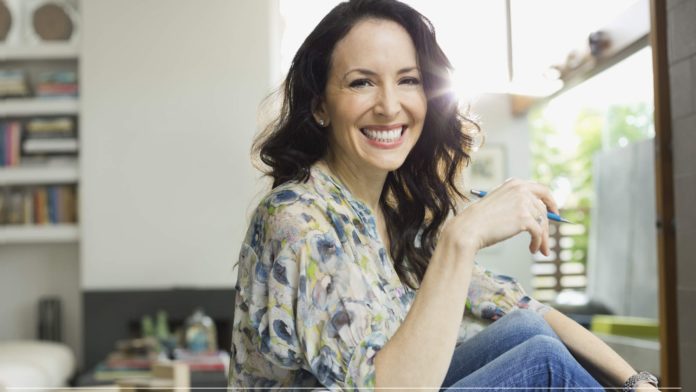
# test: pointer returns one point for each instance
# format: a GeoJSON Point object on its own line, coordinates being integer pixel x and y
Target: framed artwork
{"type": "Point", "coordinates": [33, 22]}
{"type": "Point", "coordinates": [9, 26]}
{"type": "Point", "coordinates": [488, 168]}
{"type": "Point", "coordinates": [50, 21]}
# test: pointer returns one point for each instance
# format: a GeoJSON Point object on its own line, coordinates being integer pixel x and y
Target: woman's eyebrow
{"type": "Point", "coordinates": [369, 72]}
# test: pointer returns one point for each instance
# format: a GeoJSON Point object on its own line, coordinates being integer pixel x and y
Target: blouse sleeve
{"type": "Point", "coordinates": [319, 313]}
{"type": "Point", "coordinates": [491, 296]}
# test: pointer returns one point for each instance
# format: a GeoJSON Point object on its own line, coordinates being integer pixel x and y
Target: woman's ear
{"type": "Point", "coordinates": [319, 112]}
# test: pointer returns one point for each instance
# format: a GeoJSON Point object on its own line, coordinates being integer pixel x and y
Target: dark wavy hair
{"type": "Point", "coordinates": [418, 197]}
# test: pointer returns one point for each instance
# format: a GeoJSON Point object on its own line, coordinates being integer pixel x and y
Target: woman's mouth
{"type": "Point", "coordinates": [381, 137]}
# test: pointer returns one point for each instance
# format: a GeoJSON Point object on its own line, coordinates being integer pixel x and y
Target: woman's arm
{"type": "Point", "coordinates": [597, 357]}
{"type": "Point", "coordinates": [419, 353]}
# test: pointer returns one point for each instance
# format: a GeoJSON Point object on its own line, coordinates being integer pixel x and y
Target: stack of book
{"type": "Point", "coordinates": [212, 361]}
{"type": "Point", "coordinates": [55, 136]}
{"type": "Point", "coordinates": [36, 140]}
{"type": "Point", "coordinates": [119, 365]}
{"type": "Point", "coordinates": [10, 135]}
{"type": "Point", "coordinates": [38, 205]}
{"type": "Point", "coordinates": [13, 83]}
{"type": "Point", "coordinates": [56, 84]}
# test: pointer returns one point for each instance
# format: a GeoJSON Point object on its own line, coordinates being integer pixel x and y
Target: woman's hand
{"type": "Point", "coordinates": [507, 210]}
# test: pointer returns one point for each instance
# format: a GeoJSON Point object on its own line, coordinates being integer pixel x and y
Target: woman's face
{"type": "Point", "coordinates": [374, 101]}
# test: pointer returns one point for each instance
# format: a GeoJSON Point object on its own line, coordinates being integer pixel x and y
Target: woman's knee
{"type": "Point", "coordinates": [546, 348]}
{"type": "Point", "coordinates": [529, 323]}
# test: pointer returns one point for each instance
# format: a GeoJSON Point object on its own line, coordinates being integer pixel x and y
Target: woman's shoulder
{"type": "Point", "coordinates": [290, 210]}
{"type": "Point", "coordinates": [290, 198]}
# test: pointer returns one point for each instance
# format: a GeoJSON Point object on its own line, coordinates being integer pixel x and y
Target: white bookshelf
{"type": "Point", "coordinates": [28, 234]}
{"type": "Point", "coordinates": [39, 106]}
{"type": "Point", "coordinates": [37, 58]}
{"type": "Point", "coordinates": [46, 51]}
{"type": "Point", "coordinates": [64, 173]}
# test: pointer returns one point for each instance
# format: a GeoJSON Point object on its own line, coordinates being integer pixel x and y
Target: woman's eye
{"type": "Point", "coordinates": [361, 83]}
{"type": "Point", "coordinates": [410, 81]}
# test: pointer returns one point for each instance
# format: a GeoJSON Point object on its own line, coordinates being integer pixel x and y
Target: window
{"type": "Point", "coordinates": [608, 111]}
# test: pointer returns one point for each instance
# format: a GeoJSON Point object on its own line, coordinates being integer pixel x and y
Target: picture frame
{"type": "Point", "coordinates": [43, 18]}
{"type": "Point", "coordinates": [487, 169]}
{"type": "Point", "coordinates": [37, 22]}
{"type": "Point", "coordinates": [10, 22]}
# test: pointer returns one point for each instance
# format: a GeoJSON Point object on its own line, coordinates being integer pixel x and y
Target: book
{"type": "Point", "coordinates": [50, 146]}
{"type": "Point", "coordinates": [3, 207]}
{"type": "Point", "coordinates": [216, 361]}
{"type": "Point", "coordinates": [50, 128]}
{"type": "Point", "coordinates": [104, 373]}
{"type": "Point", "coordinates": [38, 205]}
{"type": "Point", "coordinates": [13, 83]}
{"type": "Point", "coordinates": [10, 132]}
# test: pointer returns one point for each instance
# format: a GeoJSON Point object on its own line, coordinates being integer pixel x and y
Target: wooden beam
{"type": "Point", "coordinates": [664, 196]}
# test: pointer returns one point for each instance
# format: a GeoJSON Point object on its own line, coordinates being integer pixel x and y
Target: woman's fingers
{"type": "Point", "coordinates": [535, 230]}
{"type": "Point", "coordinates": [542, 202]}
{"type": "Point", "coordinates": [545, 236]}
{"type": "Point", "coordinates": [539, 229]}
{"type": "Point", "coordinates": [544, 223]}
{"type": "Point", "coordinates": [544, 194]}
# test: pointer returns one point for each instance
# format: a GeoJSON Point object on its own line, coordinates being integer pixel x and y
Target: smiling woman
{"type": "Point", "coordinates": [357, 271]}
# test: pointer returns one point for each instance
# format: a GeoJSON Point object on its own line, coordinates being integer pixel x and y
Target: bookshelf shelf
{"type": "Point", "coordinates": [39, 52]}
{"type": "Point", "coordinates": [38, 106]}
{"type": "Point", "coordinates": [26, 234]}
{"type": "Point", "coordinates": [55, 174]}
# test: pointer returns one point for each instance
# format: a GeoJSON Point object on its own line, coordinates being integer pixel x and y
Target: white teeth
{"type": "Point", "coordinates": [383, 136]}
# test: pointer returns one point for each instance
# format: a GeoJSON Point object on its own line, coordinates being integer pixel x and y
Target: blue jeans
{"type": "Point", "coordinates": [518, 351]}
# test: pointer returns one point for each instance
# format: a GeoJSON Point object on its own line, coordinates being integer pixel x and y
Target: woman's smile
{"type": "Point", "coordinates": [385, 136]}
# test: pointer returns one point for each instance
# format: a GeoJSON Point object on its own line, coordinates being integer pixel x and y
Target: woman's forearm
{"type": "Point", "coordinates": [419, 353]}
{"type": "Point", "coordinates": [603, 362]}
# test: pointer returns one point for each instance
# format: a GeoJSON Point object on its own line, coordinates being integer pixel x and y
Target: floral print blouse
{"type": "Point", "coordinates": [318, 295]}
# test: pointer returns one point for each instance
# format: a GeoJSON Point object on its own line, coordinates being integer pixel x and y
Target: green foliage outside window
{"type": "Point", "coordinates": [559, 166]}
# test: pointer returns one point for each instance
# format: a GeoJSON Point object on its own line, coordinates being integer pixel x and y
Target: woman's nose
{"type": "Point", "coordinates": [388, 103]}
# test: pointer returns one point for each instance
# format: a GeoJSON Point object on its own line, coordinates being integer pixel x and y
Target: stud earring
{"type": "Point", "coordinates": [321, 122]}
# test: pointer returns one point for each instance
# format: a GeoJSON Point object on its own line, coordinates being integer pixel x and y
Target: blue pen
{"type": "Point", "coordinates": [549, 214]}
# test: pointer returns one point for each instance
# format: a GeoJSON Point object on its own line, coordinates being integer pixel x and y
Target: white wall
{"type": "Point", "coordinates": [170, 91]}
{"type": "Point", "coordinates": [511, 257]}
{"type": "Point", "coordinates": [29, 272]}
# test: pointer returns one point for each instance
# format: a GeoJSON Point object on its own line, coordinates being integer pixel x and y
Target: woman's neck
{"type": "Point", "coordinates": [363, 184]}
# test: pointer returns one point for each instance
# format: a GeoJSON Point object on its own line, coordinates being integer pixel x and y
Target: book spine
{"type": "Point", "coordinates": [3, 127]}
{"type": "Point", "coordinates": [37, 205]}
{"type": "Point", "coordinates": [28, 209]}
{"type": "Point", "coordinates": [46, 214]}
{"type": "Point", "coordinates": [14, 207]}
{"type": "Point", "coordinates": [52, 208]}
{"type": "Point", "coordinates": [60, 205]}
{"type": "Point", "coordinates": [7, 147]}
{"type": "Point", "coordinates": [15, 145]}
{"type": "Point", "coordinates": [3, 206]}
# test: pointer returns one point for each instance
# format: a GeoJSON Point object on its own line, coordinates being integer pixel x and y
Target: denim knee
{"type": "Point", "coordinates": [549, 352]}
{"type": "Point", "coordinates": [546, 346]}
{"type": "Point", "coordinates": [559, 366]}
{"type": "Point", "coordinates": [529, 323]}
